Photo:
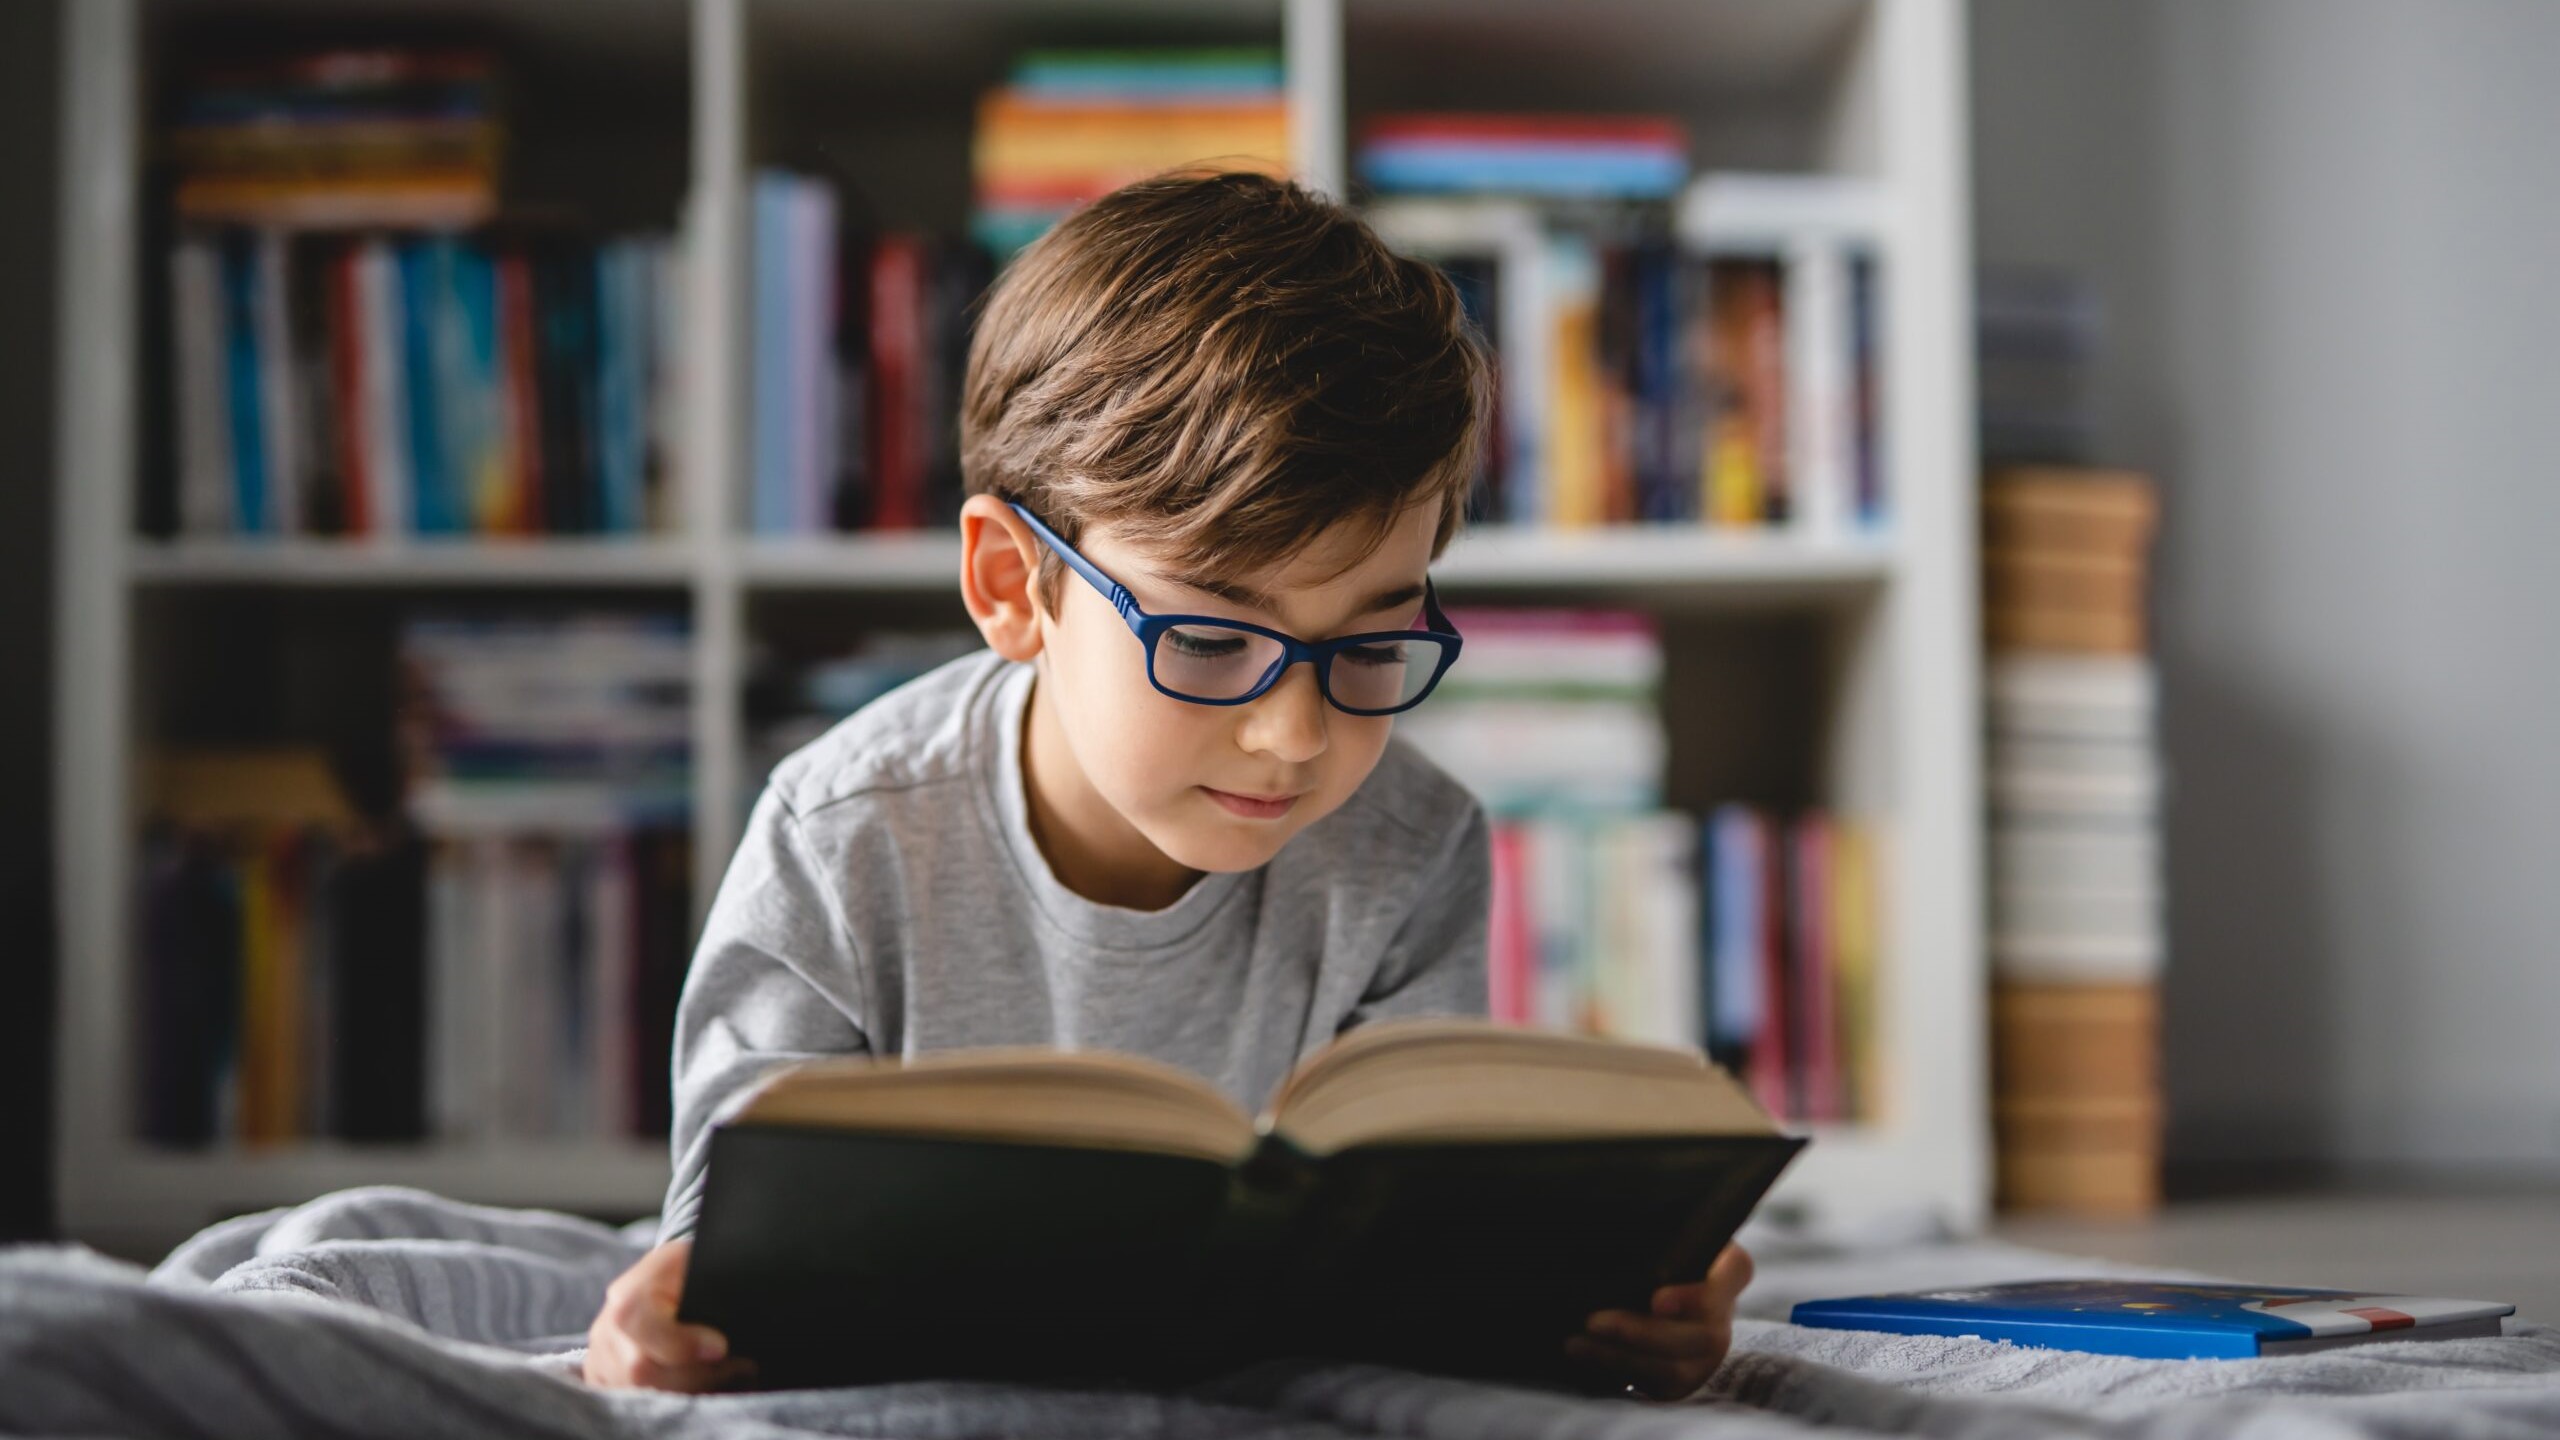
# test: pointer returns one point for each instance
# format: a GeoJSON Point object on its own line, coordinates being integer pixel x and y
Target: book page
{"type": "Point", "coordinates": [1024, 1096]}
{"type": "Point", "coordinates": [1444, 1081]}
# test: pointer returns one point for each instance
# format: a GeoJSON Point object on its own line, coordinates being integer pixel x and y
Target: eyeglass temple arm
{"type": "Point", "coordinates": [1432, 616]}
{"type": "Point", "coordinates": [1121, 600]}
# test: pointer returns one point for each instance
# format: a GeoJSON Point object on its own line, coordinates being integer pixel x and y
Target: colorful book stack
{"type": "Point", "coordinates": [547, 723]}
{"type": "Point", "coordinates": [858, 351]}
{"type": "Point", "coordinates": [1562, 157]}
{"type": "Point", "coordinates": [1071, 125]}
{"type": "Point", "coordinates": [356, 137]}
{"type": "Point", "coordinates": [420, 386]}
{"type": "Point", "coordinates": [1719, 366]}
{"type": "Point", "coordinates": [2076, 932]}
{"type": "Point", "coordinates": [1752, 936]}
{"type": "Point", "coordinates": [279, 960]}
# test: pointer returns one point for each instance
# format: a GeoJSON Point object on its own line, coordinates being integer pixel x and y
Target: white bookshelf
{"type": "Point", "coordinates": [1869, 88]}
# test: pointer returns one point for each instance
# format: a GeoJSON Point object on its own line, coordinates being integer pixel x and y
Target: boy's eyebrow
{"type": "Point", "coordinates": [1241, 594]}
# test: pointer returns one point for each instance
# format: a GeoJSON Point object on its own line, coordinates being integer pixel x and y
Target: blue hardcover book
{"type": "Point", "coordinates": [770, 511]}
{"type": "Point", "coordinates": [248, 414]}
{"type": "Point", "coordinates": [430, 494]}
{"type": "Point", "coordinates": [2161, 1320]}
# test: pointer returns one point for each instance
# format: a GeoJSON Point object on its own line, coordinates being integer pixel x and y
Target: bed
{"type": "Point", "coordinates": [395, 1313]}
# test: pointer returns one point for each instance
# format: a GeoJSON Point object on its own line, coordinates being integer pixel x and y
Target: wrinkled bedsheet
{"type": "Point", "coordinates": [395, 1313]}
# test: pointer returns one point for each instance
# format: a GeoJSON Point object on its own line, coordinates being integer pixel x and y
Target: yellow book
{"type": "Point", "coordinates": [260, 1039]}
{"type": "Point", "coordinates": [1732, 481]}
{"type": "Point", "coordinates": [1853, 957]}
{"type": "Point", "coordinates": [1021, 155]}
{"type": "Point", "coordinates": [1575, 425]}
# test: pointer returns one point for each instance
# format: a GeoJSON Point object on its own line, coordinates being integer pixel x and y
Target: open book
{"type": "Point", "coordinates": [1444, 1194]}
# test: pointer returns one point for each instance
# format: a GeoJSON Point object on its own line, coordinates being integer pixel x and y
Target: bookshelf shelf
{"type": "Point", "coordinates": [658, 113]}
{"type": "Point", "coordinates": [1492, 556]}
{"type": "Point", "coordinates": [545, 562]}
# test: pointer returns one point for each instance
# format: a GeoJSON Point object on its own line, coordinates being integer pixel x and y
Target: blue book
{"type": "Point", "coordinates": [2161, 1320]}
{"type": "Point", "coordinates": [248, 414]}
{"type": "Point", "coordinates": [1583, 171]}
{"type": "Point", "coordinates": [1733, 956]}
{"type": "Point", "coordinates": [619, 440]}
{"type": "Point", "coordinates": [430, 493]}
{"type": "Point", "coordinates": [770, 471]}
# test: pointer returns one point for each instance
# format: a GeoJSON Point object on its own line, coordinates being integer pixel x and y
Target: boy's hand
{"type": "Point", "coordinates": [637, 1339]}
{"type": "Point", "coordinates": [1670, 1353]}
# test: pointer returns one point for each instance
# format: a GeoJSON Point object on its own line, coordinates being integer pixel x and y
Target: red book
{"type": "Point", "coordinates": [1770, 1063]}
{"type": "Point", "coordinates": [524, 395]}
{"type": "Point", "coordinates": [1818, 1018]}
{"type": "Point", "coordinates": [1511, 941]}
{"type": "Point", "coordinates": [346, 391]}
{"type": "Point", "coordinates": [897, 382]}
{"type": "Point", "coordinates": [1536, 129]}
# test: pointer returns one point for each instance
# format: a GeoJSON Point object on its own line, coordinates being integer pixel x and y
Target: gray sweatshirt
{"type": "Point", "coordinates": [888, 899]}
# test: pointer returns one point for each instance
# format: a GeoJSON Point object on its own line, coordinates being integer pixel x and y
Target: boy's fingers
{"type": "Point", "coordinates": [653, 1329]}
{"type": "Point", "coordinates": [1677, 1339]}
{"type": "Point", "coordinates": [1731, 1274]}
{"type": "Point", "coordinates": [1676, 1302]}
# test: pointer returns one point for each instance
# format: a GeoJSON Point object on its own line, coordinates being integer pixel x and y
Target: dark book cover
{"type": "Point", "coordinates": [377, 922]}
{"type": "Point", "coordinates": [564, 299]}
{"type": "Point", "coordinates": [832, 1257]}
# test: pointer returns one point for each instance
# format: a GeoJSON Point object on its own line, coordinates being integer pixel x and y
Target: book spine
{"type": "Point", "coordinates": [392, 504]}
{"type": "Point", "coordinates": [770, 467]}
{"type": "Point", "coordinates": [279, 414]}
{"type": "Point", "coordinates": [520, 326]}
{"type": "Point", "coordinates": [206, 454]}
{"type": "Point", "coordinates": [242, 371]}
{"type": "Point", "coordinates": [897, 446]}
{"type": "Point", "coordinates": [347, 390]}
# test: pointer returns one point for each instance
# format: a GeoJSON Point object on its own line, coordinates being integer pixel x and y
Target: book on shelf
{"type": "Point", "coordinates": [1069, 126]}
{"type": "Point", "coordinates": [1713, 362]}
{"type": "Point", "coordinates": [344, 137]}
{"type": "Point", "coordinates": [1567, 157]}
{"type": "Point", "coordinates": [1436, 1194]}
{"type": "Point", "coordinates": [858, 345]}
{"type": "Point", "coordinates": [431, 385]}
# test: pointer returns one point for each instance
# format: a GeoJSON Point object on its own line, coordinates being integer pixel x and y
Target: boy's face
{"type": "Point", "coordinates": [1220, 787]}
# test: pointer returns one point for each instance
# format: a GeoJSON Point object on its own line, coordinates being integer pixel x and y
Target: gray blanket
{"type": "Point", "coordinates": [392, 1313]}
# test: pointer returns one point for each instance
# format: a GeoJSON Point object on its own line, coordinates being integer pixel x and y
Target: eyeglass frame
{"type": "Point", "coordinates": [1319, 653]}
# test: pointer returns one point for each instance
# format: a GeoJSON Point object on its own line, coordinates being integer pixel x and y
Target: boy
{"type": "Point", "coordinates": [1213, 396]}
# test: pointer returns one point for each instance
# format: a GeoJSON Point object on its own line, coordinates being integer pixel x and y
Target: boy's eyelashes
{"type": "Point", "coordinates": [1388, 610]}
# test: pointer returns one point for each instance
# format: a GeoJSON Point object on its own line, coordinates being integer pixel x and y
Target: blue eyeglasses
{"type": "Point", "coordinates": [1208, 660]}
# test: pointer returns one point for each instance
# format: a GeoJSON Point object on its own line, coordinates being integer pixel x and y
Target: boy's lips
{"type": "Point", "coordinates": [1252, 807]}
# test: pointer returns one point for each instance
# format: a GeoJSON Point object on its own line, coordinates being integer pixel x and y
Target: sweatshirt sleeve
{"type": "Point", "coordinates": [1435, 965]}
{"type": "Point", "coordinates": [776, 980]}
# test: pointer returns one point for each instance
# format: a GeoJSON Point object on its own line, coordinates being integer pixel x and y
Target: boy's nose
{"type": "Point", "coordinates": [1286, 722]}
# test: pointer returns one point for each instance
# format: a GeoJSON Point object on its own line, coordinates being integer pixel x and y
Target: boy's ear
{"type": "Point", "coordinates": [998, 562]}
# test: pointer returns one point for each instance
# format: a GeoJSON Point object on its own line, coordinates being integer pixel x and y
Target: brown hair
{"type": "Point", "coordinates": [1222, 366]}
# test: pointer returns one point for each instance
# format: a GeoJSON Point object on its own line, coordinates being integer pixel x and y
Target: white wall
{"type": "Point", "coordinates": [2328, 232]}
